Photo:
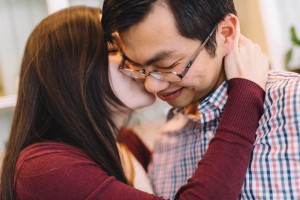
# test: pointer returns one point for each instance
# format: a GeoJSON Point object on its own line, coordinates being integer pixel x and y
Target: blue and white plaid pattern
{"type": "Point", "coordinates": [274, 170]}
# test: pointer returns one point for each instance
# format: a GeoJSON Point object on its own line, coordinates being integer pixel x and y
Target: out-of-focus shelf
{"type": "Point", "coordinates": [8, 101]}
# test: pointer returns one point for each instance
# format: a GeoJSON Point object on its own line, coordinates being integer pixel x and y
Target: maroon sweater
{"type": "Point", "coordinates": [135, 145]}
{"type": "Point", "coordinates": [58, 171]}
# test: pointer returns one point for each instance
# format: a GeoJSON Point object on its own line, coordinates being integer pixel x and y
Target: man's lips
{"type": "Point", "coordinates": [170, 96]}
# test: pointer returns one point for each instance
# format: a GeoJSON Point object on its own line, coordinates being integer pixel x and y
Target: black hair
{"type": "Point", "coordinates": [194, 18]}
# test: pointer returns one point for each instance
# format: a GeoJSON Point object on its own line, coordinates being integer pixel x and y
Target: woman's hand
{"type": "Point", "coordinates": [247, 61]}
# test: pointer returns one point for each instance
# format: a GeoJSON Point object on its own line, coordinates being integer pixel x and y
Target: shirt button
{"type": "Point", "coordinates": [209, 135]}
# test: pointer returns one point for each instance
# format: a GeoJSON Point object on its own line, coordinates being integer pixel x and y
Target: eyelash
{"type": "Point", "coordinates": [113, 51]}
{"type": "Point", "coordinates": [169, 67]}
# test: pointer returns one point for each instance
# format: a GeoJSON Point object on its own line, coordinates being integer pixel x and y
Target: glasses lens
{"type": "Point", "coordinates": [136, 72]}
{"type": "Point", "coordinates": [166, 76]}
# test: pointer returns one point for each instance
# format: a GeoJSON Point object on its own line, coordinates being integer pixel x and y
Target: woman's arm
{"type": "Point", "coordinates": [62, 172]}
{"type": "Point", "coordinates": [136, 146]}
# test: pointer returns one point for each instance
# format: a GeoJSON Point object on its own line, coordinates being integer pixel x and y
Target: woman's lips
{"type": "Point", "coordinates": [170, 96]}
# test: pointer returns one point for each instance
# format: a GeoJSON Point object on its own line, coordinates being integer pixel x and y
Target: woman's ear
{"type": "Point", "coordinates": [229, 30]}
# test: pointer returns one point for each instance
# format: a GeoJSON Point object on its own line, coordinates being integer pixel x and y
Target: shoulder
{"type": "Point", "coordinates": [283, 84]}
{"type": "Point", "coordinates": [282, 100]}
{"type": "Point", "coordinates": [282, 79]}
{"type": "Point", "coordinates": [54, 154]}
{"type": "Point", "coordinates": [58, 170]}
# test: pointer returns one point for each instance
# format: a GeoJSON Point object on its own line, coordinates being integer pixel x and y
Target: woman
{"type": "Point", "coordinates": [71, 104]}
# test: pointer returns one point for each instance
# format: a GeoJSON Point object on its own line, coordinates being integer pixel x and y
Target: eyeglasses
{"type": "Point", "coordinates": [130, 70]}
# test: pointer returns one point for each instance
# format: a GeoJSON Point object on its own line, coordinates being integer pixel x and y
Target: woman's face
{"type": "Point", "coordinates": [130, 91]}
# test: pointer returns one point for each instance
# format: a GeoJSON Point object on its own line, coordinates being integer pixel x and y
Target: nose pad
{"type": "Point", "coordinates": [154, 85]}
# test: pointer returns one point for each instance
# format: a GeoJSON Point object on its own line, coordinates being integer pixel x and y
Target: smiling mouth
{"type": "Point", "coordinates": [170, 96]}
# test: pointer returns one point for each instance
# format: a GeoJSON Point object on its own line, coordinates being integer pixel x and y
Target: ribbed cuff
{"type": "Point", "coordinates": [244, 107]}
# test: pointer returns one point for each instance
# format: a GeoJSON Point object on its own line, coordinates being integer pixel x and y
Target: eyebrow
{"type": "Point", "coordinates": [157, 57]}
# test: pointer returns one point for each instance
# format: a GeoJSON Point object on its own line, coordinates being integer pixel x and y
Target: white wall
{"type": "Point", "coordinates": [278, 16]}
{"type": "Point", "coordinates": [96, 3]}
{"type": "Point", "coordinates": [17, 19]}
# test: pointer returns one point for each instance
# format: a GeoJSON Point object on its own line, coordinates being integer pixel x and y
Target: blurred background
{"type": "Point", "coordinates": [273, 24]}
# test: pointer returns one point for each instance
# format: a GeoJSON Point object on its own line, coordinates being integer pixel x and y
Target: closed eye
{"type": "Point", "coordinates": [170, 66]}
{"type": "Point", "coordinates": [131, 63]}
{"type": "Point", "coordinates": [113, 51]}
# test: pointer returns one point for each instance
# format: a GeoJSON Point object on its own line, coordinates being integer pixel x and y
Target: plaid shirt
{"type": "Point", "coordinates": [274, 170]}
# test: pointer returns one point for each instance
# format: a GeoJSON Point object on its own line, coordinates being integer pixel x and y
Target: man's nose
{"type": "Point", "coordinates": [153, 85]}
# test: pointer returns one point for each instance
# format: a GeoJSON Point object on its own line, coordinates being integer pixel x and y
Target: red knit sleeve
{"type": "Point", "coordinates": [135, 145]}
{"type": "Point", "coordinates": [58, 171]}
{"type": "Point", "coordinates": [230, 149]}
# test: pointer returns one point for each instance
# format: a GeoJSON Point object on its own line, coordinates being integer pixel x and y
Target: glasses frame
{"type": "Point", "coordinates": [156, 72]}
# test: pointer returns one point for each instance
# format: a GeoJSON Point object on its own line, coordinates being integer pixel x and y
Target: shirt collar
{"type": "Point", "coordinates": [216, 99]}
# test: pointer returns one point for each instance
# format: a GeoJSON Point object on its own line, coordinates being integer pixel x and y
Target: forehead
{"type": "Point", "coordinates": [156, 33]}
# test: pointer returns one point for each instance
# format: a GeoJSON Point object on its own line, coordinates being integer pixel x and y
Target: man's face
{"type": "Point", "coordinates": [156, 42]}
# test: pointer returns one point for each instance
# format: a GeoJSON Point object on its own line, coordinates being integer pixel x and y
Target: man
{"type": "Point", "coordinates": [179, 48]}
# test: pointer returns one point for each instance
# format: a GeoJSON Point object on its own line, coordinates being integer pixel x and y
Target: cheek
{"type": "Point", "coordinates": [117, 79]}
{"type": "Point", "coordinates": [205, 74]}
{"type": "Point", "coordinates": [131, 92]}
{"type": "Point", "coordinates": [137, 97]}
{"type": "Point", "coordinates": [120, 83]}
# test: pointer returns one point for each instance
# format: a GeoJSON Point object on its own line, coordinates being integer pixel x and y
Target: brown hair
{"type": "Point", "coordinates": [64, 93]}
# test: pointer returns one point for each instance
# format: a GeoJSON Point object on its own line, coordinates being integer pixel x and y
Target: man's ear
{"type": "Point", "coordinates": [229, 30]}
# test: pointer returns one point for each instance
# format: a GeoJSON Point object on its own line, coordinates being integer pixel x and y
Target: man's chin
{"type": "Point", "coordinates": [177, 104]}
